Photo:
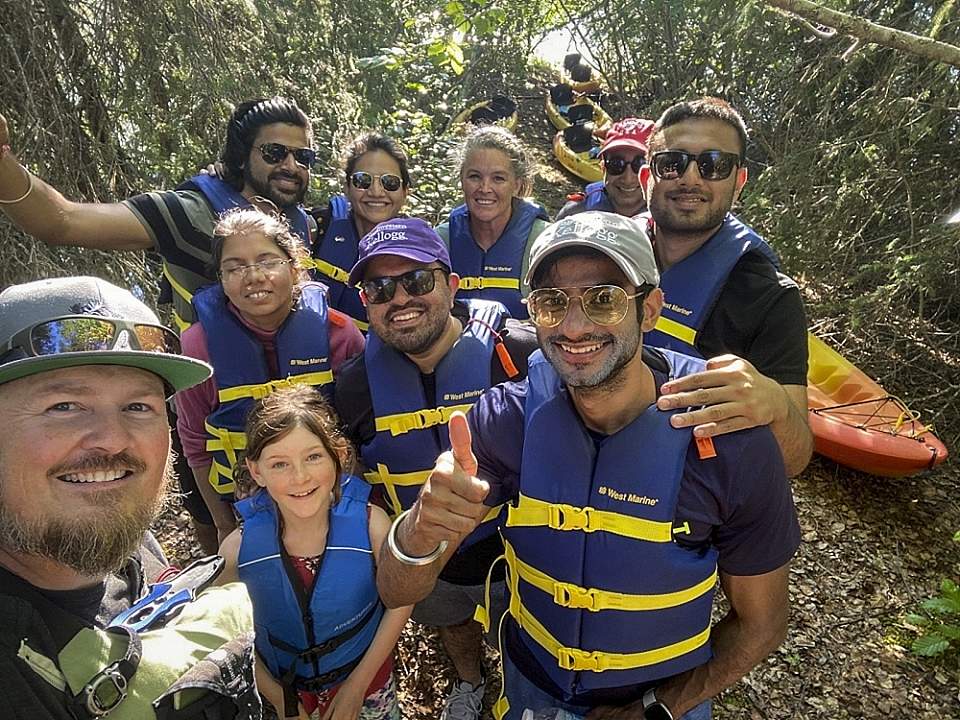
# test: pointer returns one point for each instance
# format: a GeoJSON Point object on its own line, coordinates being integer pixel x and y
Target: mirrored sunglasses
{"type": "Point", "coordinates": [416, 283]}
{"type": "Point", "coordinates": [602, 304]}
{"type": "Point", "coordinates": [712, 164]}
{"type": "Point", "coordinates": [364, 180]}
{"type": "Point", "coordinates": [616, 165]}
{"type": "Point", "coordinates": [276, 153]}
{"type": "Point", "coordinates": [83, 333]}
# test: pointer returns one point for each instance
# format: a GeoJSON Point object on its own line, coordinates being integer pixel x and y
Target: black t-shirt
{"type": "Point", "coordinates": [355, 407]}
{"type": "Point", "coordinates": [759, 316]}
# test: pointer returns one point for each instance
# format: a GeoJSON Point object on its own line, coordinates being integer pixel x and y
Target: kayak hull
{"type": "Point", "coordinates": [463, 117]}
{"type": "Point", "coordinates": [601, 120]}
{"type": "Point", "coordinates": [856, 423]}
{"type": "Point", "coordinates": [580, 164]}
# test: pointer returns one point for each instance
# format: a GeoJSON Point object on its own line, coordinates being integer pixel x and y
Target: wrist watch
{"type": "Point", "coordinates": [653, 709]}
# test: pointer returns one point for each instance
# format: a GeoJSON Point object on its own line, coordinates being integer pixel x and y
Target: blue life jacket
{"type": "Point", "coordinates": [312, 640]}
{"type": "Point", "coordinates": [242, 374]}
{"type": "Point", "coordinates": [596, 197]}
{"type": "Point", "coordinates": [410, 431]}
{"type": "Point", "coordinates": [602, 594]}
{"type": "Point", "coordinates": [222, 197]}
{"type": "Point", "coordinates": [691, 287]}
{"type": "Point", "coordinates": [494, 274]}
{"type": "Point", "coordinates": [333, 258]}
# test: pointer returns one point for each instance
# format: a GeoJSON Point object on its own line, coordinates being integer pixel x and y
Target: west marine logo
{"type": "Point", "coordinates": [679, 309]}
{"type": "Point", "coordinates": [299, 362]}
{"type": "Point", "coordinates": [626, 496]}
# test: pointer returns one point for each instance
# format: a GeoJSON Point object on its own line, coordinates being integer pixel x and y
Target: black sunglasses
{"type": "Point", "coordinates": [276, 153]}
{"type": "Point", "coordinates": [364, 180]}
{"type": "Point", "coordinates": [416, 282]}
{"type": "Point", "coordinates": [616, 165]}
{"type": "Point", "coordinates": [712, 164]}
{"type": "Point", "coordinates": [84, 333]}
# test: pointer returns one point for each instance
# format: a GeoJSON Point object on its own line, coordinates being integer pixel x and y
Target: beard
{"type": "Point", "coordinates": [602, 376]}
{"type": "Point", "coordinates": [262, 186]}
{"type": "Point", "coordinates": [678, 223]}
{"type": "Point", "coordinates": [92, 544]}
{"type": "Point", "coordinates": [414, 341]}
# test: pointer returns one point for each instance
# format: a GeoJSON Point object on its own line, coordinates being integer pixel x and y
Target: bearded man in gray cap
{"type": "Point", "coordinates": [618, 525]}
{"type": "Point", "coordinates": [85, 369]}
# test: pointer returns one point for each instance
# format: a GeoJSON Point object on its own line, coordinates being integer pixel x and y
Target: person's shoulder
{"type": "Point", "coordinates": [576, 203]}
{"type": "Point", "coordinates": [353, 375]}
{"type": "Point", "coordinates": [747, 464]}
{"type": "Point", "coordinates": [520, 336]}
{"type": "Point", "coordinates": [753, 269]}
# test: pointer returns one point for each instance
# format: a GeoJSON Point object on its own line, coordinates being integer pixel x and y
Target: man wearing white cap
{"type": "Point", "coordinates": [85, 370]}
{"type": "Point", "coordinates": [619, 525]}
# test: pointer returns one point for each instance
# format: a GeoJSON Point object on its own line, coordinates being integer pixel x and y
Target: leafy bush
{"type": "Point", "coordinates": [938, 623]}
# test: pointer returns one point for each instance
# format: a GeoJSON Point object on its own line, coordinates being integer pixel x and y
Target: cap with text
{"type": "Point", "coordinates": [410, 238]}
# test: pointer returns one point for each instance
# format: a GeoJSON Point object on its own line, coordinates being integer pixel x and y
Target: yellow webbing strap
{"type": "Point", "coordinates": [331, 271]}
{"type": "Point", "coordinates": [225, 440]}
{"type": "Point", "coordinates": [390, 481]}
{"type": "Point", "coordinates": [177, 287]}
{"type": "Point", "coordinates": [261, 390]}
{"type": "Point", "coordinates": [221, 478]}
{"type": "Point", "coordinates": [180, 322]}
{"type": "Point", "coordinates": [573, 596]}
{"type": "Point", "coordinates": [531, 512]}
{"type": "Point", "coordinates": [677, 330]}
{"type": "Point", "coordinates": [418, 419]}
{"type": "Point", "coordinates": [480, 283]}
{"type": "Point", "coordinates": [361, 325]}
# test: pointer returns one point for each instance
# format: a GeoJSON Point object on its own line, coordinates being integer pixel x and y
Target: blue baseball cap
{"type": "Point", "coordinates": [410, 238]}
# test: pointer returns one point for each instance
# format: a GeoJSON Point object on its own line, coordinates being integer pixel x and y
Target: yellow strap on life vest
{"type": "Point", "coordinates": [227, 442]}
{"type": "Point", "coordinates": [573, 596]}
{"type": "Point", "coordinates": [331, 271]}
{"type": "Point", "coordinates": [480, 283]}
{"type": "Point", "coordinates": [361, 325]}
{"type": "Point", "coordinates": [261, 390]}
{"type": "Point", "coordinates": [418, 419]}
{"type": "Point", "coordinates": [177, 287]}
{"type": "Point", "coordinates": [531, 512]}
{"type": "Point", "coordinates": [677, 330]}
{"type": "Point", "coordinates": [221, 477]}
{"type": "Point", "coordinates": [390, 481]}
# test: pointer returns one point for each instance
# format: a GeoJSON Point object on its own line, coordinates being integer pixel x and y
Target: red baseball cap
{"type": "Point", "coordinates": [631, 132]}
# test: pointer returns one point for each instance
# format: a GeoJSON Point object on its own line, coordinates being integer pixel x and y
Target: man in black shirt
{"type": "Point", "coordinates": [84, 372]}
{"type": "Point", "coordinates": [725, 298]}
{"type": "Point", "coordinates": [426, 356]}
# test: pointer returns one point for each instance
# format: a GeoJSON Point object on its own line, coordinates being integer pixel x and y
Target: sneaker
{"type": "Point", "coordinates": [464, 701]}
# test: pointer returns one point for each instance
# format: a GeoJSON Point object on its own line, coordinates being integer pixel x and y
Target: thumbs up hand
{"type": "Point", "coordinates": [450, 505]}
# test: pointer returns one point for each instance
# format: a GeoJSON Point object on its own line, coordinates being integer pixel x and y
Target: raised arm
{"type": "Point", "coordinates": [449, 507]}
{"type": "Point", "coordinates": [732, 395]}
{"type": "Point", "coordinates": [40, 210]}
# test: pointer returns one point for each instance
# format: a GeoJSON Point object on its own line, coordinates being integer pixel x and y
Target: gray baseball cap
{"type": "Point", "coordinates": [31, 342]}
{"type": "Point", "coordinates": [620, 238]}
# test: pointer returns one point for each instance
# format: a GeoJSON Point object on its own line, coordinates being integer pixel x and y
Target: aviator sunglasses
{"type": "Point", "coordinates": [364, 180]}
{"type": "Point", "coordinates": [616, 165]}
{"type": "Point", "coordinates": [602, 304]}
{"type": "Point", "coordinates": [275, 153]}
{"type": "Point", "coordinates": [83, 333]}
{"type": "Point", "coordinates": [712, 164]}
{"type": "Point", "coordinates": [416, 283]}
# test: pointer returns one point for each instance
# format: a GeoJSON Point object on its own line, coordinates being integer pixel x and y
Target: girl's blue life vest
{"type": "Point", "coordinates": [494, 274]}
{"type": "Point", "coordinates": [691, 287]}
{"type": "Point", "coordinates": [596, 198]}
{"type": "Point", "coordinates": [602, 594]}
{"type": "Point", "coordinates": [312, 638]}
{"type": "Point", "coordinates": [334, 255]}
{"type": "Point", "coordinates": [241, 371]}
{"type": "Point", "coordinates": [410, 430]}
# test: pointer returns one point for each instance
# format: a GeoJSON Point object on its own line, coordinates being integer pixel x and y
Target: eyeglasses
{"type": "Point", "coordinates": [388, 181]}
{"type": "Point", "coordinates": [270, 266]}
{"type": "Point", "coordinates": [616, 165]}
{"type": "Point", "coordinates": [712, 164]}
{"type": "Point", "coordinates": [602, 304]}
{"type": "Point", "coordinates": [84, 333]}
{"type": "Point", "coordinates": [276, 153]}
{"type": "Point", "coordinates": [416, 282]}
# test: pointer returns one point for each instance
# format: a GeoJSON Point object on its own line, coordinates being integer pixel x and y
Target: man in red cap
{"type": "Point", "coordinates": [623, 153]}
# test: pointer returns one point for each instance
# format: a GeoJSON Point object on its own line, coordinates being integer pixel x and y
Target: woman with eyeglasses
{"type": "Point", "coordinates": [261, 327]}
{"type": "Point", "coordinates": [376, 188]}
{"type": "Point", "coordinates": [491, 233]}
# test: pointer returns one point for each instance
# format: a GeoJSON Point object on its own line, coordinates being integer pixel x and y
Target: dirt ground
{"type": "Point", "coordinates": [872, 549]}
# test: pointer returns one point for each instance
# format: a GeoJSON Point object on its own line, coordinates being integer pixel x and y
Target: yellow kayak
{"type": "Point", "coordinates": [498, 110]}
{"type": "Point", "coordinates": [565, 108]}
{"type": "Point", "coordinates": [576, 149]}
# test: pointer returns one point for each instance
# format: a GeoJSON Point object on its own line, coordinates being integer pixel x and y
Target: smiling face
{"type": "Point", "coordinates": [489, 185]}
{"type": "Point", "coordinates": [410, 324]}
{"type": "Point", "coordinates": [263, 296]}
{"type": "Point", "coordinates": [375, 205]}
{"type": "Point", "coordinates": [585, 354]}
{"type": "Point", "coordinates": [285, 183]}
{"type": "Point", "coordinates": [299, 473]}
{"type": "Point", "coordinates": [691, 207]}
{"type": "Point", "coordinates": [83, 461]}
{"type": "Point", "coordinates": [624, 190]}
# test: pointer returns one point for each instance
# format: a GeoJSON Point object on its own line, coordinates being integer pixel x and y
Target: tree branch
{"type": "Point", "coordinates": [871, 32]}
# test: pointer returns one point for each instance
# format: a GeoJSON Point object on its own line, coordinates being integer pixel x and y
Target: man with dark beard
{"type": "Point", "coordinates": [84, 468]}
{"type": "Point", "coordinates": [725, 298]}
{"type": "Point", "coordinates": [618, 525]}
{"type": "Point", "coordinates": [427, 355]}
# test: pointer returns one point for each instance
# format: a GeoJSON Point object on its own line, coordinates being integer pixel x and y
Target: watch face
{"type": "Point", "coordinates": [656, 711]}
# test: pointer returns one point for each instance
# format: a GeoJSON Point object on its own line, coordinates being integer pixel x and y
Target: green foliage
{"type": "Point", "coordinates": [937, 623]}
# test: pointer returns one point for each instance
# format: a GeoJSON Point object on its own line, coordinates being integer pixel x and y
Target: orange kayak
{"type": "Point", "coordinates": [857, 423]}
